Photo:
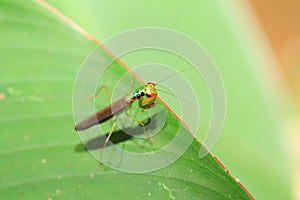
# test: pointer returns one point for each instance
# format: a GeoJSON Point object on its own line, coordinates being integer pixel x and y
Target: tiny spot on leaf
{"type": "Point", "coordinates": [91, 175]}
{"type": "Point", "coordinates": [2, 96]}
{"type": "Point", "coordinates": [26, 137]}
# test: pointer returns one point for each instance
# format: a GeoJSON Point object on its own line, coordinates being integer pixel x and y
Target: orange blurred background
{"type": "Point", "coordinates": [280, 22]}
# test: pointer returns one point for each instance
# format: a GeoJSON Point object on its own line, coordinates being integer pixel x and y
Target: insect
{"type": "Point", "coordinates": [146, 97]}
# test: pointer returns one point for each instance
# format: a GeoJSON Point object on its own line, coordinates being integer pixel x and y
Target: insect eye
{"type": "Point", "coordinates": [142, 93]}
{"type": "Point", "coordinates": [138, 96]}
{"type": "Point", "coordinates": [149, 95]}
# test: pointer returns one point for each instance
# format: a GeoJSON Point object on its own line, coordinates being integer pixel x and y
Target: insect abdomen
{"type": "Point", "coordinates": [104, 114]}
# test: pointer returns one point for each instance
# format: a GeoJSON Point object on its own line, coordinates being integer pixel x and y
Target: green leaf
{"type": "Point", "coordinates": [251, 145]}
{"type": "Point", "coordinates": [40, 56]}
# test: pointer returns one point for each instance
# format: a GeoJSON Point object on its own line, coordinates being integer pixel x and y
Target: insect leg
{"type": "Point", "coordinates": [106, 90]}
{"type": "Point", "coordinates": [140, 123]}
{"type": "Point", "coordinates": [107, 139]}
{"type": "Point", "coordinates": [110, 132]}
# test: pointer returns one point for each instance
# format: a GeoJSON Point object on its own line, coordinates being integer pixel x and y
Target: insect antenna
{"type": "Point", "coordinates": [166, 92]}
{"type": "Point", "coordinates": [171, 94]}
{"type": "Point", "coordinates": [173, 75]}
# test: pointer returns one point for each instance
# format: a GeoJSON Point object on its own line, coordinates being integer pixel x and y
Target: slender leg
{"type": "Point", "coordinates": [110, 132]}
{"type": "Point", "coordinates": [106, 90]}
{"type": "Point", "coordinates": [140, 123]}
{"type": "Point", "coordinates": [106, 141]}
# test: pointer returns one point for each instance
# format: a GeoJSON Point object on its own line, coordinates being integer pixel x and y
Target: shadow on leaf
{"type": "Point", "coordinates": [116, 137]}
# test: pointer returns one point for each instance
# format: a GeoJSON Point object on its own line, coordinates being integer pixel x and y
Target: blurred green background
{"type": "Point", "coordinates": [251, 142]}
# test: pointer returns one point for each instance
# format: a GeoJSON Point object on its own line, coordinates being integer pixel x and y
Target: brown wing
{"type": "Point", "coordinates": [104, 114]}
